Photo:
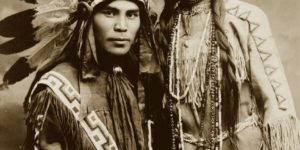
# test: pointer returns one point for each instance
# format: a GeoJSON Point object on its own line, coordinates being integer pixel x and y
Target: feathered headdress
{"type": "Point", "coordinates": [42, 34]}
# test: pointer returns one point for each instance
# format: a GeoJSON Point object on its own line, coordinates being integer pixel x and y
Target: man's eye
{"type": "Point", "coordinates": [133, 15]}
{"type": "Point", "coordinates": [108, 13]}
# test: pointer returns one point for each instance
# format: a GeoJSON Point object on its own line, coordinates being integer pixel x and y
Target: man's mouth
{"type": "Point", "coordinates": [119, 40]}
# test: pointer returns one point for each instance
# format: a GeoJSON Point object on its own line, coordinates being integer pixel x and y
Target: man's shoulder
{"type": "Point", "coordinates": [67, 69]}
{"type": "Point", "coordinates": [65, 72]}
{"type": "Point", "coordinates": [59, 83]}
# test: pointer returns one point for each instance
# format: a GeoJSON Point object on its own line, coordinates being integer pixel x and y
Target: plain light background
{"type": "Point", "coordinates": [284, 18]}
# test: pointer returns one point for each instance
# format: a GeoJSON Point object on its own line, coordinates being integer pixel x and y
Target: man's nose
{"type": "Point", "coordinates": [121, 24]}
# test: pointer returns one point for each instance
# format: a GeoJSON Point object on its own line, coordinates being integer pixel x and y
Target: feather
{"type": "Point", "coordinates": [45, 60]}
{"type": "Point", "coordinates": [17, 44]}
{"type": "Point", "coordinates": [39, 1]}
{"type": "Point", "coordinates": [51, 17]}
{"type": "Point", "coordinates": [18, 71]}
{"type": "Point", "coordinates": [48, 50]}
{"type": "Point", "coordinates": [48, 35]}
{"type": "Point", "coordinates": [18, 24]}
{"type": "Point", "coordinates": [31, 1]}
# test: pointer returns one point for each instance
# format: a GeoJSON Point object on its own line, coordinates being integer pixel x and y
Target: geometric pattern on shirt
{"type": "Point", "coordinates": [69, 96]}
{"type": "Point", "coordinates": [63, 89]}
{"type": "Point", "coordinates": [98, 133]}
{"type": "Point", "coordinates": [244, 12]}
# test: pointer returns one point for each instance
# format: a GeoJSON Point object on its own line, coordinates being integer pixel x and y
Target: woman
{"type": "Point", "coordinates": [84, 96]}
{"type": "Point", "coordinates": [224, 87]}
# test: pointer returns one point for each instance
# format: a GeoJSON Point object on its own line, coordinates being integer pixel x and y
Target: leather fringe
{"type": "Point", "coordinates": [42, 102]}
{"type": "Point", "coordinates": [282, 134]}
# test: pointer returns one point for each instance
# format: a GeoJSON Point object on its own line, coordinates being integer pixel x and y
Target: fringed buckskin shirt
{"type": "Point", "coordinates": [266, 114]}
{"type": "Point", "coordinates": [68, 113]}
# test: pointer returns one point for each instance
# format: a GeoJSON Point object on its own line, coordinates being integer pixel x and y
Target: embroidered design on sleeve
{"type": "Point", "coordinates": [253, 26]}
{"type": "Point", "coordinates": [276, 84]}
{"type": "Point", "coordinates": [234, 10]}
{"type": "Point", "coordinates": [270, 70]}
{"type": "Point", "coordinates": [245, 15]}
{"type": "Point", "coordinates": [259, 41]}
{"type": "Point", "coordinates": [263, 40]}
{"type": "Point", "coordinates": [264, 55]}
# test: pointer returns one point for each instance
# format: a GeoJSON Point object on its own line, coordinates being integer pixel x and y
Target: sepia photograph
{"type": "Point", "coordinates": [149, 75]}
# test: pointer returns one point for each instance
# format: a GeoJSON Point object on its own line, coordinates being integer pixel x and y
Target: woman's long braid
{"type": "Point", "coordinates": [163, 36]}
{"type": "Point", "coordinates": [230, 90]}
{"type": "Point", "coordinates": [163, 33]}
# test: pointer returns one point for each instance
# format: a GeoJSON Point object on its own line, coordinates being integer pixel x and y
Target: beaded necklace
{"type": "Point", "coordinates": [213, 76]}
{"type": "Point", "coordinates": [168, 97]}
{"type": "Point", "coordinates": [174, 60]}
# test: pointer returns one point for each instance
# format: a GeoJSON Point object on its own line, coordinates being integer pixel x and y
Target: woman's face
{"type": "Point", "coordinates": [116, 26]}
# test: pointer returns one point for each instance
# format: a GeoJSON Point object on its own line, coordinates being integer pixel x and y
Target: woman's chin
{"type": "Point", "coordinates": [118, 50]}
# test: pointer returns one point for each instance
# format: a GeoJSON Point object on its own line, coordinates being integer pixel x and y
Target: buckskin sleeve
{"type": "Point", "coordinates": [43, 131]}
{"type": "Point", "coordinates": [45, 118]}
{"type": "Point", "coordinates": [281, 126]}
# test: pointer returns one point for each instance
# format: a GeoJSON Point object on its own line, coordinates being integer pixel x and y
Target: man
{"type": "Point", "coordinates": [84, 95]}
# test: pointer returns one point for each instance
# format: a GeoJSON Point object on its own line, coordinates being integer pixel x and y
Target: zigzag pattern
{"type": "Point", "coordinates": [243, 14]}
{"type": "Point", "coordinates": [266, 55]}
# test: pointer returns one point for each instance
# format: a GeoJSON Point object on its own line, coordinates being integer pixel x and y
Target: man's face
{"type": "Point", "coordinates": [116, 26]}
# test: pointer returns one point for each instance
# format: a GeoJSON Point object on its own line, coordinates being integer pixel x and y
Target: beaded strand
{"type": "Point", "coordinates": [213, 75]}
{"type": "Point", "coordinates": [174, 49]}
{"type": "Point", "coordinates": [168, 97]}
{"type": "Point", "coordinates": [212, 88]}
